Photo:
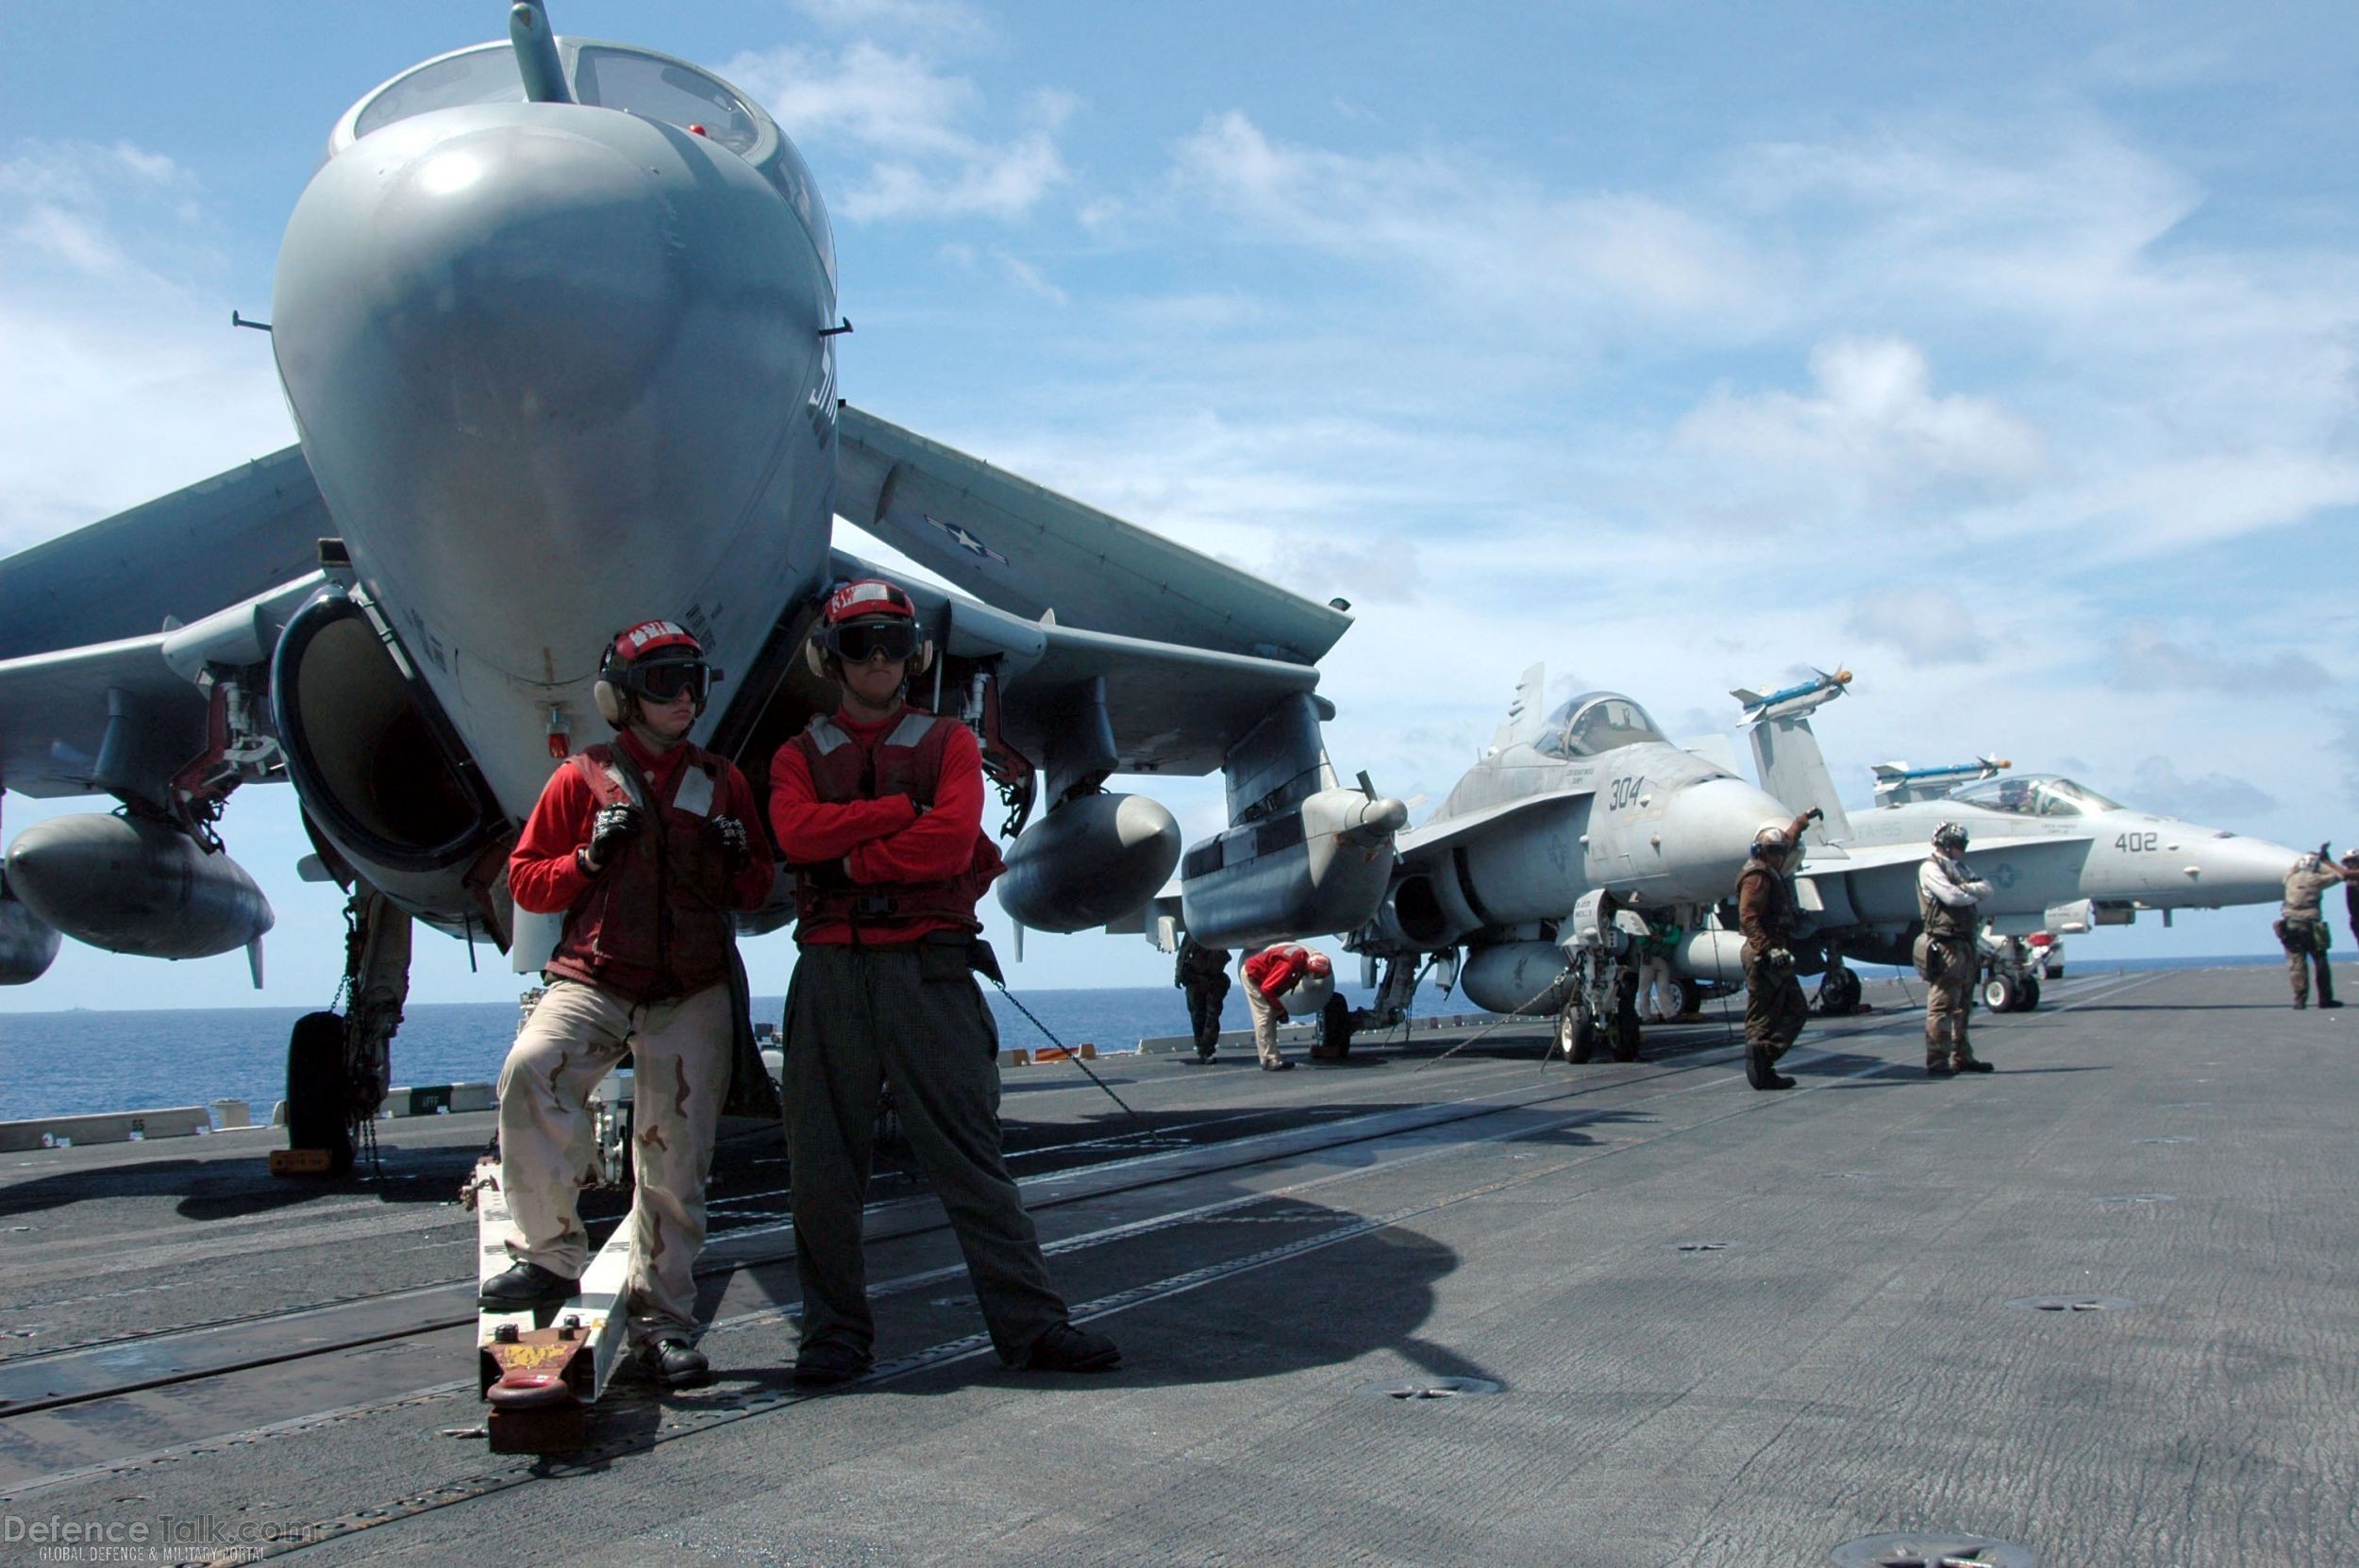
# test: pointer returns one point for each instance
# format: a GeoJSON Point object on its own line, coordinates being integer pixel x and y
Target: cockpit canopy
{"type": "Point", "coordinates": [1593, 723]}
{"type": "Point", "coordinates": [2044, 794]}
{"type": "Point", "coordinates": [605, 75]}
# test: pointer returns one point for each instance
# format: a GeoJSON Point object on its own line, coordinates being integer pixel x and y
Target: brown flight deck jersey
{"type": "Point", "coordinates": [2302, 889]}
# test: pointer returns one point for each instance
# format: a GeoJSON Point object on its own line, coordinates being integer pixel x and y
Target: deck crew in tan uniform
{"type": "Point", "coordinates": [2301, 925]}
{"type": "Point", "coordinates": [1947, 896]}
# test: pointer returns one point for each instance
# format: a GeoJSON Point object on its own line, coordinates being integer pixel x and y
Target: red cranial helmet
{"type": "Point", "coordinates": [653, 661]}
{"type": "Point", "coordinates": [867, 618]}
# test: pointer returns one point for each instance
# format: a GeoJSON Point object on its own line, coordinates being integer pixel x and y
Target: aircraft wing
{"type": "Point", "coordinates": [1437, 838]}
{"type": "Point", "coordinates": [1031, 551]}
{"type": "Point", "coordinates": [1173, 709]}
{"type": "Point", "coordinates": [57, 707]}
{"type": "Point", "coordinates": [1841, 860]}
{"type": "Point", "coordinates": [179, 558]}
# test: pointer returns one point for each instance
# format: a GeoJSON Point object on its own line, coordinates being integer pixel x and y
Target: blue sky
{"type": "Point", "coordinates": [2002, 353]}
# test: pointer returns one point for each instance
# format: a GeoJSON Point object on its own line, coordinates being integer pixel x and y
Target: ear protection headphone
{"type": "Point", "coordinates": [865, 598]}
{"type": "Point", "coordinates": [623, 654]}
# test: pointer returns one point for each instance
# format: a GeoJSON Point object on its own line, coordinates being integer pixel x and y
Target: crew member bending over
{"type": "Point", "coordinates": [879, 808]}
{"type": "Point", "coordinates": [644, 846]}
{"type": "Point", "coordinates": [1269, 975]}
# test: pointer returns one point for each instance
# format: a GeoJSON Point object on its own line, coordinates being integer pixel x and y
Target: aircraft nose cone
{"type": "Point", "coordinates": [531, 339]}
{"type": "Point", "coordinates": [2238, 870]}
{"type": "Point", "coordinates": [1708, 831]}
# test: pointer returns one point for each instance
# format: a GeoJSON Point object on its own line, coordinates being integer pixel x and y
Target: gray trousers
{"type": "Point", "coordinates": [856, 1017]}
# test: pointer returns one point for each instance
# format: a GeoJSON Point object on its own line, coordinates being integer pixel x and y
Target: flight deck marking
{"type": "Point", "coordinates": [977, 1344]}
{"type": "Point", "coordinates": [970, 1346]}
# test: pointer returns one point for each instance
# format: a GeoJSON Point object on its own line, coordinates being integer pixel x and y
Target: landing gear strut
{"type": "Point", "coordinates": [338, 1065]}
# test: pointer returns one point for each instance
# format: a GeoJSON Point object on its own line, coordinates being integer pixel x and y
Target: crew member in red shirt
{"type": "Point", "coordinates": [643, 845]}
{"type": "Point", "coordinates": [879, 810]}
{"type": "Point", "coordinates": [1269, 975]}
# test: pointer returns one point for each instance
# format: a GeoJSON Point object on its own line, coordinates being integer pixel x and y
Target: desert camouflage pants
{"type": "Point", "coordinates": [2305, 943]}
{"type": "Point", "coordinates": [1775, 1009]}
{"type": "Point", "coordinates": [681, 1059]}
{"type": "Point", "coordinates": [1948, 998]}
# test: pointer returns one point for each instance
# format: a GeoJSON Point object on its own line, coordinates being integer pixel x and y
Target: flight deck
{"type": "Point", "coordinates": [1440, 1303]}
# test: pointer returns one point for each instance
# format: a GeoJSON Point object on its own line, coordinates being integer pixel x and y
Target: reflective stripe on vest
{"type": "Point", "coordinates": [908, 761]}
{"type": "Point", "coordinates": [657, 922]}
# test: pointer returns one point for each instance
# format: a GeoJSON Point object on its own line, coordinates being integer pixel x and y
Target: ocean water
{"type": "Point", "coordinates": [67, 1063]}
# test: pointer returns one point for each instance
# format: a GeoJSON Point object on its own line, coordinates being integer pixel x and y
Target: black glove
{"type": "Point", "coordinates": [1814, 814]}
{"type": "Point", "coordinates": [613, 825]}
{"type": "Point", "coordinates": [726, 835]}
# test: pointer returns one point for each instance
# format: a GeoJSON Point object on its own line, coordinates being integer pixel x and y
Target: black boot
{"type": "Point", "coordinates": [523, 1286]}
{"type": "Point", "coordinates": [1759, 1074]}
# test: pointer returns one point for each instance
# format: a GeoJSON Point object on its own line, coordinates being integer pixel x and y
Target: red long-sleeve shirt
{"type": "Point", "coordinates": [1274, 970]}
{"type": "Point", "coordinates": [543, 874]}
{"type": "Point", "coordinates": [883, 841]}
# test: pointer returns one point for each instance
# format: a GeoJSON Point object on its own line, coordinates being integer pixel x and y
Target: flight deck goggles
{"type": "Point", "coordinates": [858, 642]}
{"type": "Point", "coordinates": [665, 679]}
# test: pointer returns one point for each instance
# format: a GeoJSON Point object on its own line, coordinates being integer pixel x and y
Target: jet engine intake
{"type": "Point", "coordinates": [28, 945]}
{"type": "Point", "coordinates": [1531, 978]}
{"type": "Point", "coordinates": [377, 768]}
{"type": "Point", "coordinates": [133, 884]}
{"type": "Point", "coordinates": [1088, 863]}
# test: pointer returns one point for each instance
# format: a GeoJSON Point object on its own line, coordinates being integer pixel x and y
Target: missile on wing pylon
{"type": "Point", "coordinates": [134, 886]}
{"type": "Point", "coordinates": [1898, 784]}
{"type": "Point", "coordinates": [1792, 702]}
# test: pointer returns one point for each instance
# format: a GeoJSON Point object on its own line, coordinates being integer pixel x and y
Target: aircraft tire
{"type": "Point", "coordinates": [1691, 996]}
{"type": "Point", "coordinates": [2000, 994]}
{"type": "Point", "coordinates": [1624, 1034]}
{"type": "Point", "coordinates": [1575, 1036]}
{"type": "Point", "coordinates": [317, 1094]}
{"type": "Point", "coordinates": [1843, 993]}
{"type": "Point", "coordinates": [2030, 995]}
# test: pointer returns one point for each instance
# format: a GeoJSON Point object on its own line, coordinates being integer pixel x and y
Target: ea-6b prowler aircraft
{"type": "Point", "coordinates": [2059, 856]}
{"type": "Point", "coordinates": [557, 323]}
{"type": "Point", "coordinates": [1582, 836]}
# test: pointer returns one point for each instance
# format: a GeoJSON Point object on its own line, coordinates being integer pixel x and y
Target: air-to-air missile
{"type": "Point", "coordinates": [1898, 784]}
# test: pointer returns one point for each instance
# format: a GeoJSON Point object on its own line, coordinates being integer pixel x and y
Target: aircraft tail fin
{"type": "Point", "coordinates": [1525, 712]}
{"type": "Point", "coordinates": [1745, 696]}
{"type": "Point", "coordinates": [1785, 752]}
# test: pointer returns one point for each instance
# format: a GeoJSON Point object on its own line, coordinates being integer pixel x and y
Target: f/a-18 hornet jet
{"type": "Point", "coordinates": [557, 323]}
{"type": "Point", "coordinates": [1583, 837]}
{"type": "Point", "coordinates": [2058, 856]}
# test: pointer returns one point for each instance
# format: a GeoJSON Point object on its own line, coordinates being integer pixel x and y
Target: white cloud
{"type": "Point", "coordinates": [939, 21]}
{"type": "Point", "coordinates": [2147, 660]}
{"type": "Point", "coordinates": [2213, 797]}
{"type": "Point", "coordinates": [913, 123]}
{"type": "Point", "coordinates": [125, 380]}
{"type": "Point", "coordinates": [1926, 624]}
{"type": "Point", "coordinates": [1873, 421]}
{"type": "Point", "coordinates": [1495, 237]}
